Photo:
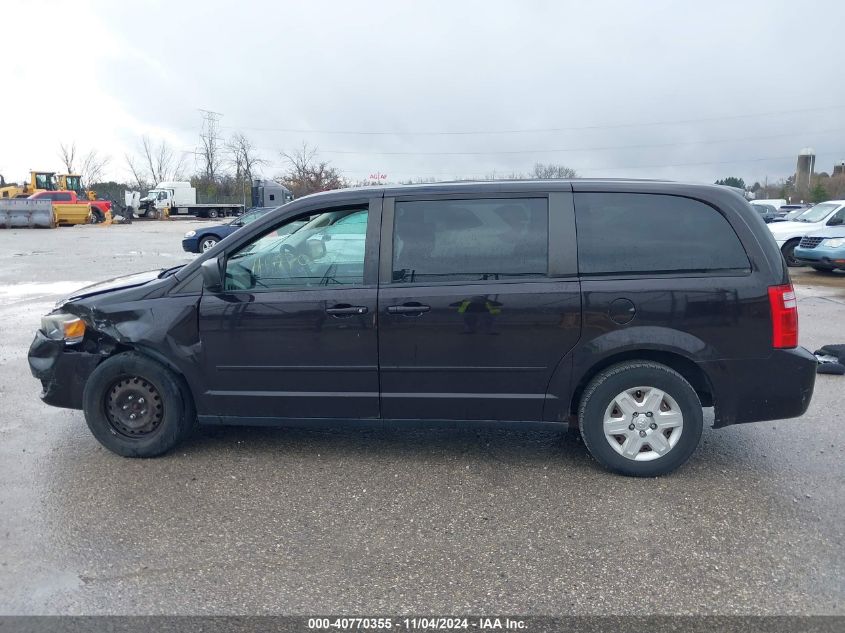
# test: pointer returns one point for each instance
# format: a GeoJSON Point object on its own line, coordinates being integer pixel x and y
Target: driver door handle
{"type": "Point", "coordinates": [346, 310]}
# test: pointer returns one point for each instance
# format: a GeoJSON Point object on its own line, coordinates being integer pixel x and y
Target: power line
{"type": "Point", "coordinates": [651, 166]}
{"type": "Point", "coordinates": [613, 126]}
{"type": "Point", "coordinates": [578, 149]}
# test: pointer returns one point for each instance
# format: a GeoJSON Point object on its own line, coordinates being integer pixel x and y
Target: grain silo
{"type": "Point", "coordinates": [839, 170]}
{"type": "Point", "coordinates": [806, 166]}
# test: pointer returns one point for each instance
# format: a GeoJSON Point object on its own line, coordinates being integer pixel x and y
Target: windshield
{"type": "Point", "coordinates": [44, 181]}
{"type": "Point", "coordinates": [818, 212]}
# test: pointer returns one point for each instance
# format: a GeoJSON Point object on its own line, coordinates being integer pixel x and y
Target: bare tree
{"type": "Point", "coordinates": [243, 157]}
{"type": "Point", "coordinates": [93, 167]}
{"type": "Point", "coordinates": [155, 163]}
{"type": "Point", "coordinates": [550, 171]}
{"type": "Point", "coordinates": [67, 154]}
{"type": "Point", "coordinates": [161, 161]}
{"type": "Point", "coordinates": [137, 172]}
{"type": "Point", "coordinates": [307, 174]}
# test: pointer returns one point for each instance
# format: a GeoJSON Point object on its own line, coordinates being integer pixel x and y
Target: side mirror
{"type": "Point", "coordinates": [212, 274]}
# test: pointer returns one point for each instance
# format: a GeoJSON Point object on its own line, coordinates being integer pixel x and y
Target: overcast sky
{"type": "Point", "coordinates": [680, 90]}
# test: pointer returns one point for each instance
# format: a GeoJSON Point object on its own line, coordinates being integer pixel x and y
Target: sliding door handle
{"type": "Point", "coordinates": [409, 309]}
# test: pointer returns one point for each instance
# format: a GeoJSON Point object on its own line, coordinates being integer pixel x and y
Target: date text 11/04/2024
{"type": "Point", "coordinates": [419, 623]}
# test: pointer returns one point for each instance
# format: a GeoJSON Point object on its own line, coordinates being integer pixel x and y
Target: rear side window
{"type": "Point", "coordinates": [470, 240]}
{"type": "Point", "coordinates": [61, 197]}
{"type": "Point", "coordinates": [622, 233]}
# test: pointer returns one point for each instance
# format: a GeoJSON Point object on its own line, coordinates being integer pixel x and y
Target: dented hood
{"type": "Point", "coordinates": [117, 283]}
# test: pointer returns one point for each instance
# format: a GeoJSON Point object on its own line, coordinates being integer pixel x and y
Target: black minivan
{"type": "Point", "coordinates": [621, 306]}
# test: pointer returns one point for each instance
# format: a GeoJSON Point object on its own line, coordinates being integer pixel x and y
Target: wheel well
{"type": "Point", "coordinates": [691, 372]}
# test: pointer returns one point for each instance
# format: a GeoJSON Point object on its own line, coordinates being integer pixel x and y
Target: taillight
{"type": "Point", "coordinates": [784, 309]}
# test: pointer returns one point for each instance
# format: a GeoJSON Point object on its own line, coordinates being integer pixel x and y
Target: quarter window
{"type": "Point", "coordinates": [325, 250]}
{"type": "Point", "coordinates": [621, 233]}
{"type": "Point", "coordinates": [470, 240]}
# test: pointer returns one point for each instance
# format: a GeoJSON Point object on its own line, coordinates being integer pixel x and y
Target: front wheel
{"type": "Point", "coordinates": [207, 243]}
{"type": "Point", "coordinates": [136, 407]}
{"type": "Point", "coordinates": [788, 251]}
{"type": "Point", "coordinates": [640, 418]}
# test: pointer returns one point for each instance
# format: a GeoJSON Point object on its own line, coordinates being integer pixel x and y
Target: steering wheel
{"type": "Point", "coordinates": [296, 264]}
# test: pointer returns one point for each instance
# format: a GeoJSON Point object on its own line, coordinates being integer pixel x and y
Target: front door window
{"type": "Point", "coordinates": [326, 251]}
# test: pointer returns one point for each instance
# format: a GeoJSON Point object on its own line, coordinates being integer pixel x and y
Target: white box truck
{"type": "Point", "coordinates": [180, 198]}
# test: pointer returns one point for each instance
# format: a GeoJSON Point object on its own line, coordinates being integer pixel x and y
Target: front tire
{"type": "Point", "coordinates": [207, 243]}
{"type": "Point", "coordinates": [788, 251]}
{"type": "Point", "coordinates": [136, 407]}
{"type": "Point", "coordinates": [640, 418]}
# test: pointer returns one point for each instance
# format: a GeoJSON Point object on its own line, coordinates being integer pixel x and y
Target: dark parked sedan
{"type": "Point", "coordinates": [201, 240]}
{"type": "Point", "coordinates": [768, 212]}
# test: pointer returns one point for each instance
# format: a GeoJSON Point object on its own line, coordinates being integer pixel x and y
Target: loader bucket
{"type": "Point", "coordinates": [20, 213]}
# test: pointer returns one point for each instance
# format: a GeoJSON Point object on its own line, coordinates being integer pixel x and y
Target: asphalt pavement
{"type": "Point", "coordinates": [285, 521]}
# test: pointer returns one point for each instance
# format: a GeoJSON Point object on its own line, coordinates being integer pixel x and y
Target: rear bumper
{"type": "Point", "coordinates": [774, 388]}
{"type": "Point", "coordinates": [63, 372]}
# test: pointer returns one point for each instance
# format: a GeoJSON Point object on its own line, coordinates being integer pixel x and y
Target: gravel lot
{"type": "Point", "coordinates": [249, 520]}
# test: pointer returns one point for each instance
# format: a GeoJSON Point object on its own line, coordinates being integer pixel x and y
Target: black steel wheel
{"type": "Point", "coordinates": [134, 407]}
{"type": "Point", "coordinates": [137, 407]}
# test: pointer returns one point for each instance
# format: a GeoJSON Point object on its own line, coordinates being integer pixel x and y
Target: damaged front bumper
{"type": "Point", "coordinates": [62, 370]}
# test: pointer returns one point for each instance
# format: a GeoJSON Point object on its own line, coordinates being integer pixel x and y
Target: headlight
{"type": "Point", "coordinates": [835, 242]}
{"type": "Point", "coordinates": [66, 327]}
{"type": "Point", "coordinates": [190, 233]}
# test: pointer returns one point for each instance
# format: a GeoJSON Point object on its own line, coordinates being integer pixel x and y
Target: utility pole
{"type": "Point", "coordinates": [209, 149]}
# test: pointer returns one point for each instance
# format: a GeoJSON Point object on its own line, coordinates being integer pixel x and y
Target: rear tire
{"type": "Point", "coordinates": [136, 407]}
{"type": "Point", "coordinates": [788, 251]}
{"type": "Point", "coordinates": [212, 213]}
{"type": "Point", "coordinates": [669, 406]}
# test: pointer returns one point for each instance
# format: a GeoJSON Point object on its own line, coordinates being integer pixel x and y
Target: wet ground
{"type": "Point", "coordinates": [422, 521]}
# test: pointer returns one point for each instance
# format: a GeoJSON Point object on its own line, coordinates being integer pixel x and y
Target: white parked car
{"type": "Point", "coordinates": [789, 234]}
{"type": "Point", "coordinates": [777, 203]}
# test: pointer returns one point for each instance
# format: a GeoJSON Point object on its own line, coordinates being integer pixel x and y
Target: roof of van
{"type": "Point", "coordinates": [557, 184]}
